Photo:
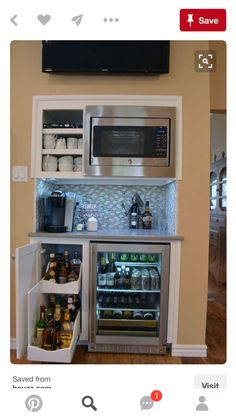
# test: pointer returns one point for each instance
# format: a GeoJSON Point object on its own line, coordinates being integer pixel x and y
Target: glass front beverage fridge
{"type": "Point", "coordinates": [129, 297]}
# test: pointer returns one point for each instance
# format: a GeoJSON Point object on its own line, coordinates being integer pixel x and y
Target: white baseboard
{"type": "Point", "coordinates": [189, 350]}
{"type": "Point", "coordinates": [13, 343]}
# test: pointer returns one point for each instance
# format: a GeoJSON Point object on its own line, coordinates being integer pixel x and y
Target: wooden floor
{"type": "Point", "coordinates": [215, 340]}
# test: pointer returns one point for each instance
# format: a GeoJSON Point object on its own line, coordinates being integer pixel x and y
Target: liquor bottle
{"type": "Point", "coordinates": [147, 217]}
{"type": "Point", "coordinates": [57, 324]}
{"type": "Point", "coordinates": [66, 324]}
{"type": "Point", "coordinates": [127, 278]}
{"type": "Point", "coordinates": [71, 308]}
{"type": "Point", "coordinates": [134, 214]}
{"type": "Point", "coordinates": [59, 260]}
{"type": "Point", "coordinates": [118, 278]}
{"type": "Point", "coordinates": [63, 274]}
{"type": "Point", "coordinates": [76, 263]}
{"type": "Point", "coordinates": [67, 260]}
{"type": "Point", "coordinates": [65, 268]}
{"type": "Point", "coordinates": [51, 309]}
{"type": "Point", "coordinates": [66, 332]}
{"type": "Point", "coordinates": [49, 338]}
{"type": "Point", "coordinates": [50, 274]}
{"type": "Point", "coordinates": [77, 302]}
{"type": "Point", "coordinates": [41, 324]}
{"type": "Point", "coordinates": [111, 271]}
{"type": "Point", "coordinates": [72, 276]}
{"type": "Point", "coordinates": [102, 273]}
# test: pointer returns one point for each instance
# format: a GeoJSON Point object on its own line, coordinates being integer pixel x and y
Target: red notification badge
{"type": "Point", "coordinates": [156, 395]}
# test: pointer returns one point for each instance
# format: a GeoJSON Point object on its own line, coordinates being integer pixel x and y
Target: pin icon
{"type": "Point", "coordinates": [44, 19]}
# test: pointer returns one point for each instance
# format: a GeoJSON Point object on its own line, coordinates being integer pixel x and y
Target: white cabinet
{"type": "Point", "coordinates": [63, 117]}
{"type": "Point", "coordinates": [32, 291]}
{"type": "Point", "coordinates": [57, 138]}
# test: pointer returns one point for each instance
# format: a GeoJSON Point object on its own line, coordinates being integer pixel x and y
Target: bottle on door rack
{"type": "Point", "coordinates": [40, 326]}
{"type": "Point", "coordinates": [76, 263]}
{"type": "Point", "coordinates": [51, 272]}
{"type": "Point", "coordinates": [65, 268]}
{"type": "Point", "coordinates": [147, 217]}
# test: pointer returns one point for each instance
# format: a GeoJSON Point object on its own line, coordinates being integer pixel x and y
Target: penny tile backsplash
{"type": "Point", "coordinates": [105, 203]}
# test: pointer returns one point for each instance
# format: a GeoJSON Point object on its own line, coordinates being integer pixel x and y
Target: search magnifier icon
{"type": "Point", "coordinates": [87, 401]}
{"type": "Point", "coordinates": [205, 61]}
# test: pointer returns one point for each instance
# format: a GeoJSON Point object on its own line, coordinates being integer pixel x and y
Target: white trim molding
{"type": "Point", "coordinates": [189, 350]}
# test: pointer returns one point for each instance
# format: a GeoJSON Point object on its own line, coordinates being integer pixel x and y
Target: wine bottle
{"type": "Point", "coordinates": [147, 217]}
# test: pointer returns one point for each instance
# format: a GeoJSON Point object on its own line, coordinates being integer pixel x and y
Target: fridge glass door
{"type": "Point", "coordinates": [131, 290]}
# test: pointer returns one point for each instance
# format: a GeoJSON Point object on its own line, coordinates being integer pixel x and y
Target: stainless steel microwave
{"type": "Point", "coordinates": [131, 141]}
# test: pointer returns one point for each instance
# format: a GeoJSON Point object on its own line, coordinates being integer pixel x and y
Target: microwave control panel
{"type": "Point", "coordinates": [161, 142]}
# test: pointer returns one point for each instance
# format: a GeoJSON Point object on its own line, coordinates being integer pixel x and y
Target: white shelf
{"type": "Point", "coordinates": [140, 264]}
{"type": "Point", "coordinates": [115, 290]}
{"type": "Point", "coordinates": [63, 152]}
{"type": "Point", "coordinates": [59, 355]}
{"type": "Point", "coordinates": [65, 131]}
{"type": "Point", "coordinates": [62, 175]}
{"type": "Point", "coordinates": [128, 309]}
{"type": "Point", "coordinates": [68, 288]}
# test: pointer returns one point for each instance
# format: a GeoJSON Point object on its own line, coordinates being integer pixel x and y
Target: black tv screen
{"type": "Point", "coordinates": [105, 56]}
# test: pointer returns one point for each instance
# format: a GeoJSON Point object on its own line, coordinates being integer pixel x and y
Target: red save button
{"type": "Point", "coordinates": [202, 19]}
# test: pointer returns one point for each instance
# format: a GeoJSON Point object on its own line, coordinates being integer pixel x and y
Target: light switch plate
{"type": "Point", "coordinates": [19, 173]}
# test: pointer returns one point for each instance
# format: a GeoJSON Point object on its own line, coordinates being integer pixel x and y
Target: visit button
{"type": "Point", "coordinates": [202, 20]}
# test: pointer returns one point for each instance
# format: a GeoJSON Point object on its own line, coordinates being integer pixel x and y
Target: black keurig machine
{"type": "Point", "coordinates": [54, 212]}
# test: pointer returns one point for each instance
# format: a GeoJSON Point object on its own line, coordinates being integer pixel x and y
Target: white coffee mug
{"type": "Point", "coordinates": [78, 164]}
{"type": "Point", "coordinates": [49, 163]}
{"type": "Point", "coordinates": [49, 141]}
{"type": "Point", "coordinates": [72, 142]}
{"type": "Point", "coordinates": [80, 142]}
{"type": "Point", "coordinates": [61, 143]}
{"type": "Point", "coordinates": [66, 163]}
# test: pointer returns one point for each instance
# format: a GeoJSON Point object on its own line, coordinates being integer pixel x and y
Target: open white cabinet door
{"type": "Point", "coordinates": [27, 275]}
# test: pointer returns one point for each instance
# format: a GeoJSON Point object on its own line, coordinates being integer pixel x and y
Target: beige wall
{"type": "Point", "coordinates": [28, 80]}
{"type": "Point", "coordinates": [218, 77]}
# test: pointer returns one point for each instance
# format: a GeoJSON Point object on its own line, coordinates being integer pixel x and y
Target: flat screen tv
{"type": "Point", "coordinates": [105, 56]}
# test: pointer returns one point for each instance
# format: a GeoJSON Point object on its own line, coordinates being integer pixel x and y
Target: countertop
{"type": "Point", "coordinates": [114, 234]}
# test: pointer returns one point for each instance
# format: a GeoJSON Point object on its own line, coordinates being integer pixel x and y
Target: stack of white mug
{"type": "Point", "coordinates": [64, 163]}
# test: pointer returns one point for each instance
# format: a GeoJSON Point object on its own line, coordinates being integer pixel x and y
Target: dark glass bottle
{"type": "Point", "coordinates": [134, 214]}
{"type": "Point", "coordinates": [102, 273]}
{"type": "Point", "coordinates": [111, 271]}
{"type": "Point", "coordinates": [147, 217]}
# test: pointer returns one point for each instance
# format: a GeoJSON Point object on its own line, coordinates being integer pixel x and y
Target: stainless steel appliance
{"type": "Point", "coordinates": [128, 312]}
{"type": "Point", "coordinates": [130, 141]}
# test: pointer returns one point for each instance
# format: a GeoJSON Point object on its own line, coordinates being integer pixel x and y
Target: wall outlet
{"type": "Point", "coordinates": [19, 173]}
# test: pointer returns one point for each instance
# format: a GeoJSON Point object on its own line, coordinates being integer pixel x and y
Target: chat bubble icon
{"type": "Point", "coordinates": [146, 403]}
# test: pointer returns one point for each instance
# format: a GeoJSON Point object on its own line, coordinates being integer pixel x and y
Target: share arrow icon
{"type": "Point", "coordinates": [77, 19]}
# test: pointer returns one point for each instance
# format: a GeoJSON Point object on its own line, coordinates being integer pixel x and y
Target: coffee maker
{"type": "Point", "coordinates": [59, 212]}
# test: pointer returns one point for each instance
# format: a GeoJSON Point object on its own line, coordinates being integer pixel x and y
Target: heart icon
{"type": "Point", "coordinates": [44, 19]}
